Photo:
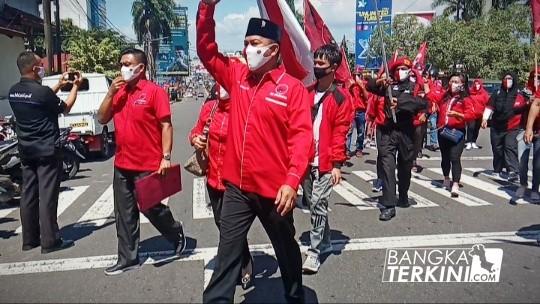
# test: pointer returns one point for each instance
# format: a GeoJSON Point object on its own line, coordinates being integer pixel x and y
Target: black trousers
{"type": "Point", "coordinates": [395, 144]}
{"type": "Point", "coordinates": [419, 136]}
{"type": "Point", "coordinates": [473, 129]}
{"type": "Point", "coordinates": [504, 145]}
{"type": "Point", "coordinates": [39, 201]}
{"type": "Point", "coordinates": [126, 213]}
{"type": "Point", "coordinates": [239, 210]}
{"type": "Point", "coordinates": [216, 201]}
{"type": "Point", "coordinates": [451, 157]}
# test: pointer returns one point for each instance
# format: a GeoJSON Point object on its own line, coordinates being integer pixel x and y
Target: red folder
{"type": "Point", "coordinates": [154, 188]}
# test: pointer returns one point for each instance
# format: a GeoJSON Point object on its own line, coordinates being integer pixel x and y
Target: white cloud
{"type": "Point", "coordinates": [230, 30]}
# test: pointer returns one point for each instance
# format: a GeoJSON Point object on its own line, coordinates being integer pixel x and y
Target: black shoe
{"type": "Point", "coordinates": [180, 242]}
{"type": "Point", "coordinates": [513, 177]}
{"type": "Point", "coordinates": [246, 275]}
{"type": "Point", "coordinates": [387, 214]}
{"type": "Point", "coordinates": [60, 245]}
{"type": "Point", "coordinates": [29, 246]}
{"type": "Point", "coordinates": [406, 202]}
{"type": "Point", "coordinates": [121, 268]}
{"type": "Point", "coordinates": [419, 155]}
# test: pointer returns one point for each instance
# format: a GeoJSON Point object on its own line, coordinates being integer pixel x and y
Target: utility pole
{"type": "Point", "coordinates": [48, 34]}
{"type": "Point", "coordinates": [488, 4]}
{"type": "Point", "coordinates": [457, 9]}
{"type": "Point", "coordinates": [58, 38]}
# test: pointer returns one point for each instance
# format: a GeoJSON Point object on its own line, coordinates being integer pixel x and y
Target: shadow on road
{"type": "Point", "coordinates": [78, 231]}
{"type": "Point", "coordinates": [269, 289]}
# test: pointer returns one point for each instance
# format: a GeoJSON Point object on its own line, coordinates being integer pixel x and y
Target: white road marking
{"type": "Point", "coordinates": [65, 199]}
{"type": "Point", "coordinates": [201, 209]}
{"type": "Point", "coordinates": [464, 198]}
{"type": "Point", "coordinates": [144, 219]}
{"type": "Point", "coordinates": [99, 212]}
{"type": "Point", "coordinates": [6, 211]}
{"type": "Point", "coordinates": [485, 186]}
{"type": "Point", "coordinates": [488, 173]}
{"type": "Point", "coordinates": [206, 254]}
{"type": "Point", "coordinates": [421, 202]}
{"type": "Point", "coordinates": [356, 197]}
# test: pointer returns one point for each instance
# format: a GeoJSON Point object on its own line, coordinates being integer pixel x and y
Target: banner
{"type": "Point", "coordinates": [173, 56]}
{"type": "Point", "coordinates": [366, 23]}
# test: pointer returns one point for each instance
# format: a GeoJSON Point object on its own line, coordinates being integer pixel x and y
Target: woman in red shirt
{"type": "Point", "coordinates": [480, 97]}
{"type": "Point", "coordinates": [216, 110]}
{"type": "Point", "coordinates": [456, 108]}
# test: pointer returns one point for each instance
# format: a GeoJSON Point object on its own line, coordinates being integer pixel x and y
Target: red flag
{"type": "Point", "coordinates": [319, 35]}
{"type": "Point", "coordinates": [535, 8]}
{"type": "Point", "coordinates": [419, 62]}
{"type": "Point", "coordinates": [295, 48]}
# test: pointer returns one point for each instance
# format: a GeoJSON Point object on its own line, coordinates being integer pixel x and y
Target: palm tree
{"type": "Point", "coordinates": [152, 21]}
{"type": "Point", "coordinates": [469, 9]}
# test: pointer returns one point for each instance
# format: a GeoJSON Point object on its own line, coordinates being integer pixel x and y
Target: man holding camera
{"type": "Point", "coordinates": [36, 109]}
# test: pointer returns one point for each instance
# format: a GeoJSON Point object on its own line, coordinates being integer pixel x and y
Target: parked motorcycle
{"type": "Point", "coordinates": [10, 171]}
{"type": "Point", "coordinates": [73, 152]}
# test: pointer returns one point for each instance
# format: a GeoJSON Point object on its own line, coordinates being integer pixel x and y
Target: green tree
{"type": "Point", "coordinates": [91, 55]}
{"type": "Point", "coordinates": [152, 21]}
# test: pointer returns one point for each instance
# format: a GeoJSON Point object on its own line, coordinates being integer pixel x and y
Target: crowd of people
{"type": "Point", "coordinates": [266, 134]}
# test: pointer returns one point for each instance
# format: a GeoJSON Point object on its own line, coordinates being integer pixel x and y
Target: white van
{"type": "Point", "coordinates": [83, 117]}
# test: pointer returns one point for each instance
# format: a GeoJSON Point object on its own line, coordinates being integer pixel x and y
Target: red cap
{"type": "Point", "coordinates": [399, 62]}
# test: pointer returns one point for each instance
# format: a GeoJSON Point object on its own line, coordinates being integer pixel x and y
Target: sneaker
{"type": "Point", "coordinates": [535, 197]}
{"type": "Point", "coordinates": [475, 146]}
{"type": "Point", "coordinates": [520, 192]}
{"type": "Point", "coordinates": [468, 146]}
{"type": "Point", "coordinates": [312, 264]}
{"type": "Point", "coordinates": [513, 177]}
{"type": "Point", "coordinates": [121, 268]}
{"type": "Point", "coordinates": [455, 190]}
{"type": "Point", "coordinates": [447, 183]}
{"type": "Point", "coordinates": [180, 243]}
{"type": "Point", "coordinates": [377, 186]}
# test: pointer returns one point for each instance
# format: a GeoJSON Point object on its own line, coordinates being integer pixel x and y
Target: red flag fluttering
{"type": "Point", "coordinates": [319, 35]}
{"type": "Point", "coordinates": [419, 62]}
{"type": "Point", "coordinates": [535, 9]}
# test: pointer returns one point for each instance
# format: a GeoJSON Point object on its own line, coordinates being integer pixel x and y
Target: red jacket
{"type": "Point", "coordinates": [336, 121]}
{"type": "Point", "coordinates": [217, 139]}
{"type": "Point", "coordinates": [375, 110]}
{"type": "Point", "coordinates": [270, 132]}
{"type": "Point", "coordinates": [358, 101]}
{"type": "Point", "coordinates": [458, 104]}
{"type": "Point", "coordinates": [479, 97]}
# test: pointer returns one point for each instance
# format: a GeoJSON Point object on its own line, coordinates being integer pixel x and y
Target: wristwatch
{"type": "Point", "coordinates": [167, 156]}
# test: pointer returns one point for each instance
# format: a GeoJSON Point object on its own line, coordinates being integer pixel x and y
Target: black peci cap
{"type": "Point", "coordinates": [264, 28]}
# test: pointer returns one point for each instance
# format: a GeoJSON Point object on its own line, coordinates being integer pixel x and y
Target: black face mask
{"type": "Point", "coordinates": [321, 72]}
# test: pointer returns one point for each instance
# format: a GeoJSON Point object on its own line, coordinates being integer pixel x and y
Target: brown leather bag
{"type": "Point", "coordinates": [197, 164]}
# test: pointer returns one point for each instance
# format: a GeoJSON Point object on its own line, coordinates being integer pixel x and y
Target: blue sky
{"type": "Point", "coordinates": [232, 17]}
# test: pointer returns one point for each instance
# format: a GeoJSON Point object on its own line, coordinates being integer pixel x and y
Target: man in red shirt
{"type": "Point", "coordinates": [269, 144]}
{"type": "Point", "coordinates": [142, 119]}
{"type": "Point", "coordinates": [331, 116]}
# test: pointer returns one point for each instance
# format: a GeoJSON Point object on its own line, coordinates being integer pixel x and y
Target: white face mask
{"type": "Point", "coordinates": [509, 83]}
{"type": "Point", "coordinates": [456, 87]}
{"type": "Point", "coordinates": [412, 79]}
{"type": "Point", "coordinates": [128, 73]}
{"type": "Point", "coordinates": [255, 56]}
{"type": "Point", "coordinates": [478, 86]}
{"type": "Point", "coordinates": [41, 72]}
{"type": "Point", "coordinates": [223, 94]}
{"type": "Point", "coordinates": [403, 74]}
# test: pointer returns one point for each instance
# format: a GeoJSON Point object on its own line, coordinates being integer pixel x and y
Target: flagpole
{"type": "Point", "coordinates": [385, 61]}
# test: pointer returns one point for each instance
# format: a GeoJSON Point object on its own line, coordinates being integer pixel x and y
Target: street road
{"type": "Point", "coordinates": [484, 214]}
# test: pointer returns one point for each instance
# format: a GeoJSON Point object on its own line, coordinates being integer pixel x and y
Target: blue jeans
{"type": "Point", "coordinates": [432, 135]}
{"type": "Point", "coordinates": [524, 151]}
{"type": "Point", "coordinates": [360, 122]}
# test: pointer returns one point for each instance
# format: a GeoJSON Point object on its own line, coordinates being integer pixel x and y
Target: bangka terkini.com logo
{"type": "Point", "coordinates": [474, 264]}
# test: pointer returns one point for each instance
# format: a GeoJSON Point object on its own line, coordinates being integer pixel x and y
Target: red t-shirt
{"type": "Point", "coordinates": [137, 114]}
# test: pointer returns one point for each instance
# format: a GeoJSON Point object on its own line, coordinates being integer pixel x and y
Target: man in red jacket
{"type": "Point", "coordinates": [269, 145]}
{"type": "Point", "coordinates": [360, 97]}
{"type": "Point", "coordinates": [331, 115]}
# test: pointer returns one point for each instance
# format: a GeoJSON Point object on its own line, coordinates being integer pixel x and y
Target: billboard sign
{"type": "Point", "coordinates": [173, 56]}
{"type": "Point", "coordinates": [366, 23]}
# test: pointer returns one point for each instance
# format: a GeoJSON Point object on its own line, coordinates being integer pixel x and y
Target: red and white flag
{"type": "Point", "coordinates": [419, 62]}
{"type": "Point", "coordinates": [535, 10]}
{"type": "Point", "coordinates": [318, 34]}
{"type": "Point", "coordinates": [295, 46]}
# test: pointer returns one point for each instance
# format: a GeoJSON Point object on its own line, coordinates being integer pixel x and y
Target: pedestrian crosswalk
{"type": "Point", "coordinates": [476, 192]}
